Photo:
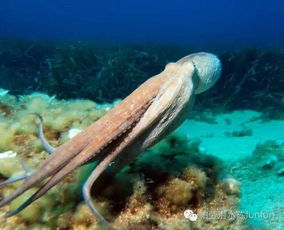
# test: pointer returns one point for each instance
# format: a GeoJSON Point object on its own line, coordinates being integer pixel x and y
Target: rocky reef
{"type": "Point", "coordinates": [153, 192]}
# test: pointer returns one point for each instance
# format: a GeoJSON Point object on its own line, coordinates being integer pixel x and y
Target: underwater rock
{"type": "Point", "coordinates": [280, 172]}
{"type": "Point", "coordinates": [240, 133]}
{"type": "Point", "coordinates": [8, 154]}
{"type": "Point", "coordinates": [270, 154]}
{"type": "Point", "coordinates": [73, 132]}
{"type": "Point", "coordinates": [269, 161]}
{"type": "Point", "coordinates": [231, 185]}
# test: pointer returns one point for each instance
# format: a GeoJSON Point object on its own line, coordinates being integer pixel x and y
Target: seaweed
{"type": "Point", "coordinates": [102, 72]}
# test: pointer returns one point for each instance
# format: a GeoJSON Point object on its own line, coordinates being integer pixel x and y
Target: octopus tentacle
{"type": "Point", "coordinates": [88, 185]}
{"type": "Point", "coordinates": [47, 147]}
{"type": "Point", "coordinates": [88, 153]}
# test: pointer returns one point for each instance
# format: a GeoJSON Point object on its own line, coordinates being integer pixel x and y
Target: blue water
{"type": "Point", "coordinates": [248, 37]}
{"type": "Point", "coordinates": [255, 22]}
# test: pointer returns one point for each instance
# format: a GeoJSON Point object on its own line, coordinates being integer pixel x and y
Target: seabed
{"type": "Point", "coordinates": [227, 168]}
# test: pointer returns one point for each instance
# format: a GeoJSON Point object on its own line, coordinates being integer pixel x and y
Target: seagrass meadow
{"type": "Point", "coordinates": [106, 72]}
{"type": "Point", "coordinates": [225, 163]}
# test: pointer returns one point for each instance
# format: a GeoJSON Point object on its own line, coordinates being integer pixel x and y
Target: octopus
{"type": "Point", "coordinates": [148, 114]}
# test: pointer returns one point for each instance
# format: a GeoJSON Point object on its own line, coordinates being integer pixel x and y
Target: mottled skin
{"type": "Point", "coordinates": [143, 118]}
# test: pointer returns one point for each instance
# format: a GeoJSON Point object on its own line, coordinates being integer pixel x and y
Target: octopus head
{"type": "Point", "coordinates": [207, 69]}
